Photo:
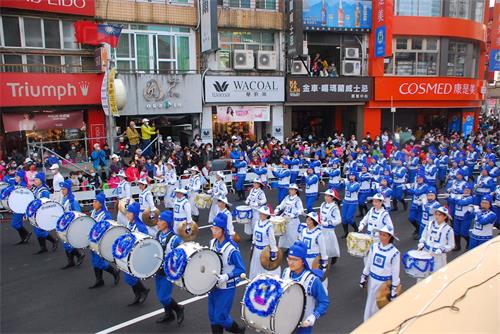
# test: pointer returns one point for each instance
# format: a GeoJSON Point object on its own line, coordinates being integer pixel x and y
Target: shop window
{"type": "Point", "coordinates": [11, 31]}
{"type": "Point", "coordinates": [52, 34]}
{"type": "Point", "coordinates": [69, 35]}
{"type": "Point", "coordinates": [34, 63]}
{"type": "Point", "coordinates": [54, 63]}
{"type": "Point", "coordinates": [479, 11]}
{"type": "Point", "coordinates": [11, 63]}
{"type": "Point", "coordinates": [418, 7]}
{"type": "Point", "coordinates": [237, 3]}
{"type": "Point", "coordinates": [266, 4]}
{"type": "Point", "coordinates": [72, 63]}
{"type": "Point", "coordinates": [33, 32]}
{"type": "Point", "coordinates": [456, 59]}
{"type": "Point", "coordinates": [413, 56]}
{"type": "Point", "coordinates": [459, 8]}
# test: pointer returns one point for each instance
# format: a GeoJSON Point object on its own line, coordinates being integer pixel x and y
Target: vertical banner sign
{"type": "Point", "coordinates": [113, 107]}
{"type": "Point", "coordinates": [467, 123]}
{"type": "Point", "coordinates": [209, 39]}
{"type": "Point", "coordinates": [495, 39]}
{"type": "Point", "coordinates": [294, 34]}
{"type": "Point", "coordinates": [104, 93]}
{"type": "Point", "coordinates": [382, 26]}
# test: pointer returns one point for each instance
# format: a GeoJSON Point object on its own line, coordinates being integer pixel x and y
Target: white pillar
{"type": "Point", "coordinates": [277, 122]}
{"type": "Point", "coordinates": [206, 125]}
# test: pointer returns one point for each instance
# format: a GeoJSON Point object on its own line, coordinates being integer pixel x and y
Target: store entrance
{"type": "Point", "coordinates": [313, 120]}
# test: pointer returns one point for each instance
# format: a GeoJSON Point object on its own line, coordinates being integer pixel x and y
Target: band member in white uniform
{"type": "Point", "coordinates": [146, 201]}
{"type": "Point", "coordinates": [382, 266]}
{"type": "Point", "coordinates": [438, 238]}
{"type": "Point", "coordinates": [56, 181]}
{"type": "Point", "coordinates": [171, 183]}
{"type": "Point", "coordinates": [222, 207]}
{"type": "Point", "coordinates": [263, 235]}
{"type": "Point", "coordinates": [182, 209]}
{"type": "Point", "coordinates": [219, 190]}
{"type": "Point", "coordinates": [376, 218]}
{"type": "Point", "coordinates": [123, 190]}
{"type": "Point", "coordinates": [256, 198]}
{"type": "Point", "coordinates": [330, 218]}
{"type": "Point", "coordinates": [312, 237]}
{"type": "Point", "coordinates": [291, 207]}
{"type": "Point", "coordinates": [194, 188]}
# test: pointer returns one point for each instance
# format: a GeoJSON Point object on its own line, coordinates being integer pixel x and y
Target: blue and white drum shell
{"type": "Point", "coordinates": [138, 254]}
{"type": "Point", "coordinates": [418, 264]}
{"type": "Point", "coordinates": [193, 267]}
{"type": "Point", "coordinates": [44, 213]}
{"type": "Point", "coordinates": [73, 227]}
{"type": "Point", "coordinates": [19, 199]}
{"type": "Point", "coordinates": [102, 236]}
{"type": "Point", "coordinates": [243, 214]}
{"type": "Point", "coordinates": [273, 305]}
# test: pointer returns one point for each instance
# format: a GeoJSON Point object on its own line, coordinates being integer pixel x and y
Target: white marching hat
{"type": "Point", "coordinates": [145, 120]}
{"type": "Point", "coordinates": [265, 210]}
{"type": "Point", "coordinates": [114, 156]}
{"type": "Point", "coordinates": [378, 196]}
{"type": "Point", "coordinates": [121, 173]}
{"type": "Point", "coordinates": [223, 199]}
{"type": "Point", "coordinates": [333, 193]}
{"type": "Point", "coordinates": [257, 180]}
{"type": "Point", "coordinates": [171, 162]}
{"type": "Point", "coordinates": [293, 186]}
{"type": "Point", "coordinates": [220, 173]}
{"type": "Point", "coordinates": [54, 166]}
{"type": "Point", "coordinates": [28, 160]}
{"type": "Point", "coordinates": [181, 190]}
{"type": "Point", "coordinates": [143, 181]}
{"type": "Point", "coordinates": [444, 211]}
{"type": "Point", "coordinates": [195, 169]}
{"type": "Point", "coordinates": [387, 229]}
{"type": "Point", "coordinates": [314, 216]}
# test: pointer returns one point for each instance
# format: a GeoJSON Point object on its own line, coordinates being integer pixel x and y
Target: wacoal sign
{"type": "Point", "coordinates": [38, 89]}
{"type": "Point", "coordinates": [75, 7]}
{"type": "Point", "coordinates": [418, 88]}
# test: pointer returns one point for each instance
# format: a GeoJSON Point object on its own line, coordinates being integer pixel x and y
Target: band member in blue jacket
{"type": "Point", "coordinates": [317, 301]}
{"type": "Point", "coordinates": [220, 299]}
{"type": "Point", "coordinates": [311, 180]}
{"type": "Point", "coordinates": [418, 191]}
{"type": "Point", "coordinates": [294, 165]}
{"type": "Point", "coordinates": [482, 230]}
{"type": "Point", "coordinates": [283, 176]}
{"type": "Point", "coordinates": [241, 173]}
{"type": "Point", "coordinates": [463, 215]}
{"type": "Point", "coordinates": [169, 241]}
{"type": "Point", "coordinates": [442, 164]}
{"type": "Point", "coordinates": [399, 179]}
{"type": "Point", "coordinates": [350, 203]}
{"type": "Point", "coordinates": [41, 191]}
{"type": "Point", "coordinates": [69, 203]}
{"type": "Point", "coordinates": [17, 218]}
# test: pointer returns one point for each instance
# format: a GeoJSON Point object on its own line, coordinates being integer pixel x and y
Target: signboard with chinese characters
{"type": "Point", "coordinates": [415, 88]}
{"type": "Point", "coordinates": [228, 114]}
{"type": "Point", "coordinates": [239, 89]}
{"type": "Point", "coordinates": [294, 34]}
{"type": "Point", "coordinates": [495, 39]}
{"type": "Point", "coordinates": [382, 25]}
{"type": "Point", "coordinates": [345, 89]}
{"type": "Point", "coordinates": [337, 15]}
{"type": "Point", "coordinates": [209, 38]}
{"type": "Point", "coordinates": [74, 7]}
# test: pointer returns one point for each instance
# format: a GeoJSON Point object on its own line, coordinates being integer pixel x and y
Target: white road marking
{"type": "Point", "coordinates": [153, 313]}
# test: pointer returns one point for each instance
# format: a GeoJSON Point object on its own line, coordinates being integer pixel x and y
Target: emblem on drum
{"type": "Point", "coordinates": [175, 263]}
{"type": "Point", "coordinates": [262, 296]}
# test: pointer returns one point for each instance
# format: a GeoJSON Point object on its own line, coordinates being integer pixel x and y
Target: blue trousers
{"type": "Point", "coordinates": [431, 183]}
{"type": "Point", "coordinates": [220, 302]}
{"type": "Point", "coordinates": [240, 181]}
{"type": "Point", "coordinates": [67, 247]}
{"type": "Point", "coordinates": [17, 221]}
{"type": "Point", "coordinates": [363, 196]}
{"type": "Point", "coordinates": [131, 280]}
{"type": "Point", "coordinates": [497, 212]}
{"type": "Point", "coordinates": [412, 173]}
{"type": "Point", "coordinates": [293, 177]}
{"type": "Point", "coordinates": [421, 228]}
{"type": "Point", "coordinates": [348, 212]}
{"type": "Point", "coordinates": [304, 330]}
{"type": "Point", "coordinates": [310, 199]}
{"type": "Point", "coordinates": [415, 214]}
{"type": "Point", "coordinates": [40, 233]}
{"type": "Point", "coordinates": [461, 227]}
{"type": "Point", "coordinates": [282, 192]}
{"type": "Point", "coordinates": [163, 290]}
{"type": "Point", "coordinates": [451, 206]}
{"type": "Point", "coordinates": [397, 193]}
{"type": "Point", "coordinates": [442, 174]}
{"type": "Point", "coordinates": [98, 262]}
{"type": "Point", "coordinates": [474, 242]}
{"type": "Point", "coordinates": [336, 186]}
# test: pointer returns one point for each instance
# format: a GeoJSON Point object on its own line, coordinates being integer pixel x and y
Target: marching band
{"type": "Point", "coordinates": [306, 237]}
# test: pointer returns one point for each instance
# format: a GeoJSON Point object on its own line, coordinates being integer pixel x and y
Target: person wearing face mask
{"type": "Point", "coordinates": [30, 174]}
{"type": "Point", "coordinates": [95, 180]}
{"type": "Point", "coordinates": [56, 181]}
{"type": "Point", "coordinates": [146, 132]}
{"type": "Point", "coordinates": [132, 172]}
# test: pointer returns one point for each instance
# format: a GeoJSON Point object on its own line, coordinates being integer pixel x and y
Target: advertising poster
{"type": "Point", "coordinates": [44, 120]}
{"type": "Point", "coordinates": [467, 123]}
{"type": "Point", "coordinates": [337, 14]}
{"type": "Point", "coordinates": [229, 114]}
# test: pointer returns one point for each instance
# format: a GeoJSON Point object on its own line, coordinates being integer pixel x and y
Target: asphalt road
{"type": "Point", "coordinates": [37, 296]}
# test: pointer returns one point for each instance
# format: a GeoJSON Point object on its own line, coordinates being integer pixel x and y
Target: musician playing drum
{"type": "Point", "coordinates": [123, 190]}
{"type": "Point", "coordinates": [256, 198]}
{"type": "Point", "coordinates": [376, 217]}
{"type": "Point", "coordinates": [330, 218]}
{"type": "Point", "coordinates": [169, 241]}
{"type": "Point", "coordinates": [316, 297]}
{"type": "Point", "coordinates": [381, 266]}
{"type": "Point", "coordinates": [41, 191]}
{"type": "Point", "coordinates": [171, 182]}
{"type": "Point", "coordinates": [147, 203]}
{"type": "Point", "coordinates": [182, 209]}
{"type": "Point", "coordinates": [291, 207]}
{"type": "Point", "coordinates": [135, 224]}
{"type": "Point", "coordinates": [194, 188]}
{"type": "Point", "coordinates": [69, 203]}
{"type": "Point", "coordinates": [263, 235]}
{"type": "Point", "coordinates": [17, 218]}
{"type": "Point", "coordinates": [100, 213]}
{"type": "Point", "coordinates": [219, 189]}
{"type": "Point", "coordinates": [312, 237]}
{"type": "Point", "coordinates": [220, 299]}
{"type": "Point", "coordinates": [222, 207]}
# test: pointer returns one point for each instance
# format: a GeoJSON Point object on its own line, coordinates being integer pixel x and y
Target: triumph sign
{"type": "Point", "coordinates": [229, 89]}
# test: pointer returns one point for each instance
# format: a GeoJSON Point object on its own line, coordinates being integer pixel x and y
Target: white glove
{"type": "Point", "coordinates": [438, 251]}
{"type": "Point", "coordinates": [309, 322]}
{"type": "Point", "coordinates": [420, 246]}
{"type": "Point", "coordinates": [222, 279]}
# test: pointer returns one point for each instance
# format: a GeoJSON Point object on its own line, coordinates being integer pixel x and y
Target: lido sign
{"type": "Point", "coordinates": [75, 7]}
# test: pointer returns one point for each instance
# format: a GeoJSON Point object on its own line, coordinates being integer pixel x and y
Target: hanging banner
{"type": "Point", "coordinates": [208, 25]}
{"type": "Point", "coordinates": [104, 93]}
{"type": "Point", "coordinates": [337, 15]}
{"type": "Point", "coordinates": [42, 120]}
{"type": "Point", "coordinates": [228, 114]}
{"type": "Point", "coordinates": [382, 27]}
{"type": "Point", "coordinates": [467, 123]}
{"type": "Point", "coordinates": [112, 93]}
{"type": "Point", "coordinates": [495, 39]}
{"type": "Point", "coordinates": [294, 33]}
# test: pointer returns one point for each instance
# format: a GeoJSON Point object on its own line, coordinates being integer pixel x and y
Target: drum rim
{"type": "Point", "coordinates": [195, 252]}
{"type": "Point", "coordinates": [66, 231]}
{"type": "Point", "coordinates": [98, 242]}
{"type": "Point", "coordinates": [137, 242]}
{"type": "Point", "coordinates": [36, 213]}
{"type": "Point", "coordinates": [273, 316]}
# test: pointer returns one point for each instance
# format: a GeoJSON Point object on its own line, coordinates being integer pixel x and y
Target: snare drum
{"type": "Point", "coordinates": [19, 199]}
{"type": "Point", "coordinates": [358, 244]}
{"type": "Point", "coordinates": [418, 264]}
{"type": "Point", "coordinates": [138, 254]}
{"type": "Point", "coordinates": [3, 202]}
{"type": "Point", "coordinates": [273, 305]}
{"type": "Point", "coordinates": [243, 214]}
{"type": "Point", "coordinates": [102, 236]}
{"type": "Point", "coordinates": [193, 267]}
{"type": "Point", "coordinates": [44, 213]}
{"type": "Point", "coordinates": [73, 227]}
{"type": "Point", "coordinates": [279, 225]}
{"type": "Point", "coordinates": [203, 201]}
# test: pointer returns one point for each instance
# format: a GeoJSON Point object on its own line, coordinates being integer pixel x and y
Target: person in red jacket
{"type": "Point", "coordinates": [132, 172]}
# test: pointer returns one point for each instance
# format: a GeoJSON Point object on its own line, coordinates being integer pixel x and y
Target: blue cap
{"type": "Point", "coordinates": [21, 173]}
{"type": "Point", "coordinates": [469, 186]}
{"type": "Point", "coordinates": [420, 174]}
{"type": "Point", "coordinates": [40, 176]}
{"type": "Point", "coordinates": [492, 157]}
{"type": "Point", "coordinates": [66, 184]}
{"type": "Point", "coordinates": [168, 217]}
{"type": "Point", "coordinates": [299, 249]}
{"type": "Point", "coordinates": [101, 198]}
{"type": "Point", "coordinates": [461, 172]}
{"type": "Point", "coordinates": [432, 190]}
{"type": "Point", "coordinates": [134, 208]}
{"type": "Point", "coordinates": [220, 221]}
{"type": "Point", "coordinates": [487, 198]}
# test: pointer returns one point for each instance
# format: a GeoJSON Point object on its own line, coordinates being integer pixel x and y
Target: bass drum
{"type": "Point", "coordinates": [273, 305]}
{"type": "Point", "coordinates": [193, 267]}
{"type": "Point", "coordinates": [19, 199]}
{"type": "Point", "coordinates": [102, 237]}
{"type": "Point", "coordinates": [44, 213]}
{"type": "Point", "coordinates": [138, 254]}
{"type": "Point", "coordinates": [73, 228]}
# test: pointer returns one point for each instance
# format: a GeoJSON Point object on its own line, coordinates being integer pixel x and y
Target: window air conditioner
{"type": "Point", "coordinates": [243, 60]}
{"type": "Point", "coordinates": [266, 60]}
{"type": "Point", "coordinates": [297, 67]}
{"type": "Point", "coordinates": [351, 53]}
{"type": "Point", "coordinates": [351, 67]}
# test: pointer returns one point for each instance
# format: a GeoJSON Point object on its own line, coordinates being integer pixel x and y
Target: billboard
{"type": "Point", "coordinates": [337, 15]}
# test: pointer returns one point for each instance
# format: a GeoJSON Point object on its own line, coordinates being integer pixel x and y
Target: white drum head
{"type": "Point", "coordinates": [19, 199]}
{"type": "Point", "coordinates": [146, 258]}
{"type": "Point", "coordinates": [47, 215]}
{"type": "Point", "coordinates": [78, 231]}
{"type": "Point", "coordinates": [290, 309]}
{"type": "Point", "coordinates": [107, 240]}
{"type": "Point", "coordinates": [199, 277]}
{"type": "Point", "coordinates": [421, 255]}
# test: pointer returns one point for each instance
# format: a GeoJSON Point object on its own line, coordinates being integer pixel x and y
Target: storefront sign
{"type": "Point", "coordinates": [382, 25]}
{"type": "Point", "coordinates": [495, 39]}
{"type": "Point", "coordinates": [417, 88]}
{"type": "Point", "coordinates": [467, 123]}
{"type": "Point", "coordinates": [228, 114]}
{"type": "Point", "coordinates": [307, 89]}
{"type": "Point", "coordinates": [209, 36]}
{"type": "Point", "coordinates": [41, 120]}
{"type": "Point", "coordinates": [104, 93]}
{"type": "Point", "coordinates": [295, 33]}
{"type": "Point", "coordinates": [40, 89]}
{"type": "Point", "coordinates": [113, 107]}
{"type": "Point", "coordinates": [337, 15]}
{"type": "Point", "coordinates": [75, 7]}
{"type": "Point", "coordinates": [244, 89]}
{"type": "Point", "coordinates": [206, 134]}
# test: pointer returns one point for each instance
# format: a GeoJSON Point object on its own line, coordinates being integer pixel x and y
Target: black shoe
{"type": "Point", "coordinates": [235, 328]}
{"type": "Point", "coordinates": [143, 295]}
{"type": "Point", "coordinates": [54, 241]}
{"type": "Point", "coordinates": [115, 273]}
{"type": "Point", "coordinates": [22, 235]}
{"type": "Point", "coordinates": [79, 259]}
{"type": "Point", "coordinates": [117, 277]}
{"type": "Point", "coordinates": [98, 279]}
{"type": "Point", "coordinates": [168, 316]}
{"type": "Point", "coordinates": [43, 247]}
{"type": "Point", "coordinates": [41, 251]}
{"type": "Point", "coordinates": [217, 329]}
{"type": "Point", "coordinates": [27, 237]}
{"type": "Point", "coordinates": [346, 231]}
{"type": "Point", "coordinates": [137, 295]}
{"type": "Point", "coordinates": [97, 284]}
{"type": "Point", "coordinates": [179, 311]}
{"type": "Point", "coordinates": [333, 260]}
{"type": "Point", "coordinates": [405, 206]}
{"type": "Point", "coordinates": [69, 265]}
{"type": "Point", "coordinates": [457, 244]}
